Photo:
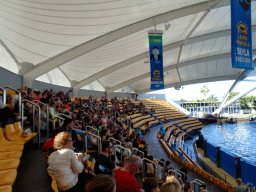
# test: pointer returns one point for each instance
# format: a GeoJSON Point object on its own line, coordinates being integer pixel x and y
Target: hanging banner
{"type": "Point", "coordinates": [156, 61]}
{"type": "Point", "coordinates": [241, 34]}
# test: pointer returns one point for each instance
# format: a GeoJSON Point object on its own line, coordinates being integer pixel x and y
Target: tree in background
{"type": "Point", "coordinates": [232, 95]}
{"type": "Point", "coordinates": [212, 98]}
{"type": "Point", "coordinates": [205, 91]}
{"type": "Point", "coordinates": [244, 103]}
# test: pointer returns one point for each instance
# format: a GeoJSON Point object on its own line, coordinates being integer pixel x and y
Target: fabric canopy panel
{"type": "Point", "coordinates": [96, 86]}
{"type": "Point", "coordinates": [55, 77]}
{"type": "Point", "coordinates": [7, 62]}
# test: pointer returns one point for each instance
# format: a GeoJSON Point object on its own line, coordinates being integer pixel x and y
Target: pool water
{"type": "Point", "coordinates": [237, 139]}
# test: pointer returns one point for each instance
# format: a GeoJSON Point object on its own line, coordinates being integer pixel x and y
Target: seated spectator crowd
{"type": "Point", "coordinates": [82, 117]}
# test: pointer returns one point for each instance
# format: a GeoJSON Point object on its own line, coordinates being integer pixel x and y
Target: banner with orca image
{"type": "Point", "coordinates": [156, 61]}
{"type": "Point", "coordinates": [241, 34]}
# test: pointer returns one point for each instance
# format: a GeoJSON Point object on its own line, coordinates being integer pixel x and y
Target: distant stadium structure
{"type": "Point", "coordinates": [153, 96]}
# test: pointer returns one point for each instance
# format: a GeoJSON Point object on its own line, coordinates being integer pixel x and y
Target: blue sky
{"type": "Point", "coordinates": [192, 92]}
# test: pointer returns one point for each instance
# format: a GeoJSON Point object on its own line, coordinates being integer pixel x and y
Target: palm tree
{"type": "Point", "coordinates": [205, 90]}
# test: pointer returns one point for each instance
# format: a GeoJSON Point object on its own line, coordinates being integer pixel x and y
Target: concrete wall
{"type": "Point", "coordinates": [15, 81]}
{"type": "Point", "coordinates": [8, 78]}
{"type": "Point", "coordinates": [41, 86]}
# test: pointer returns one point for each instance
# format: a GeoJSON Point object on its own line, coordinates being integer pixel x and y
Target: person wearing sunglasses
{"type": "Point", "coordinates": [67, 169]}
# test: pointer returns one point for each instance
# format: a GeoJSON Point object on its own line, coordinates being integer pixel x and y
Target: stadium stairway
{"type": "Point", "coordinates": [157, 151]}
{"type": "Point", "coordinates": [32, 173]}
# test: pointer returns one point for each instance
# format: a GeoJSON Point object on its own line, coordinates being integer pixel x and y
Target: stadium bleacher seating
{"type": "Point", "coordinates": [12, 139]}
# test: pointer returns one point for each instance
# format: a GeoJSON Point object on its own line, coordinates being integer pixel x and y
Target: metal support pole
{"type": "Point", "coordinates": [218, 156]}
{"type": "Point", "coordinates": [98, 133]}
{"type": "Point", "coordinates": [238, 167]}
{"type": "Point", "coordinates": [121, 147]}
{"type": "Point", "coordinates": [99, 140]}
{"type": "Point", "coordinates": [39, 117]}
{"type": "Point", "coordinates": [205, 148]}
{"type": "Point", "coordinates": [22, 115]}
{"type": "Point", "coordinates": [33, 107]}
{"type": "Point", "coordinates": [4, 97]}
{"type": "Point", "coordinates": [47, 114]}
{"type": "Point", "coordinates": [143, 167]}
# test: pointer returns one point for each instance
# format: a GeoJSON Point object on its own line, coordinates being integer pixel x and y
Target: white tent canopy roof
{"type": "Point", "coordinates": [103, 45]}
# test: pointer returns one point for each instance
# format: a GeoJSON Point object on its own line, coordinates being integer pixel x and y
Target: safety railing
{"type": "Point", "coordinates": [175, 171]}
{"type": "Point", "coordinates": [47, 114]}
{"type": "Point", "coordinates": [141, 152]}
{"type": "Point", "coordinates": [119, 142]}
{"type": "Point", "coordinates": [34, 116]}
{"type": "Point", "coordinates": [4, 97]}
{"type": "Point", "coordinates": [195, 183]}
{"type": "Point", "coordinates": [121, 153]}
{"type": "Point", "coordinates": [144, 166]}
{"type": "Point", "coordinates": [111, 138]}
{"type": "Point", "coordinates": [98, 140]}
{"type": "Point", "coordinates": [62, 114]}
{"type": "Point", "coordinates": [94, 129]}
{"type": "Point", "coordinates": [54, 122]}
{"type": "Point", "coordinates": [159, 161]}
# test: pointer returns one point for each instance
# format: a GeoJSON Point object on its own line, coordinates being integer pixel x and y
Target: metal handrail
{"type": "Point", "coordinates": [60, 118]}
{"type": "Point", "coordinates": [121, 147]}
{"type": "Point", "coordinates": [93, 129]}
{"type": "Point", "coordinates": [7, 87]}
{"type": "Point", "coordinates": [62, 114]}
{"type": "Point", "coordinates": [47, 114]}
{"type": "Point", "coordinates": [139, 151]}
{"type": "Point", "coordinates": [115, 140]}
{"type": "Point", "coordinates": [143, 167]}
{"type": "Point", "coordinates": [99, 142]}
{"type": "Point", "coordinates": [39, 117]}
{"type": "Point", "coordinates": [198, 182]}
{"type": "Point", "coordinates": [159, 161]}
{"type": "Point", "coordinates": [175, 171]}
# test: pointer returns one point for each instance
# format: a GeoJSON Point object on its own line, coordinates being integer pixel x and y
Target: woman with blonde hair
{"type": "Point", "coordinates": [173, 186]}
{"type": "Point", "coordinates": [65, 166]}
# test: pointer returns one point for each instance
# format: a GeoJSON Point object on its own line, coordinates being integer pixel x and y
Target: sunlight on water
{"type": "Point", "coordinates": [238, 139]}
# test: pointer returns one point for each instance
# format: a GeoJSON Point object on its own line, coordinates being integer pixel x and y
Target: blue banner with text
{"type": "Point", "coordinates": [241, 34]}
{"type": "Point", "coordinates": [156, 61]}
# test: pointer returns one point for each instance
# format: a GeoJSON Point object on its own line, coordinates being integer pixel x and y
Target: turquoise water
{"type": "Point", "coordinates": [238, 139]}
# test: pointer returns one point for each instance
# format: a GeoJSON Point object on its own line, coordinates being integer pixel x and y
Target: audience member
{"type": "Point", "coordinates": [239, 187]}
{"type": "Point", "coordinates": [101, 183]}
{"type": "Point", "coordinates": [103, 164]}
{"type": "Point", "coordinates": [65, 166]}
{"type": "Point", "coordinates": [6, 113]}
{"type": "Point", "coordinates": [184, 177]}
{"type": "Point", "coordinates": [187, 187]}
{"type": "Point", "coordinates": [202, 188]}
{"type": "Point", "coordinates": [150, 185]}
{"type": "Point", "coordinates": [125, 181]}
{"type": "Point", "coordinates": [172, 186]}
{"type": "Point", "coordinates": [50, 142]}
{"type": "Point", "coordinates": [91, 141]}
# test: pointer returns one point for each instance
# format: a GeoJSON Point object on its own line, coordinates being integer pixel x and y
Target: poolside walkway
{"type": "Point", "coordinates": [223, 174]}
